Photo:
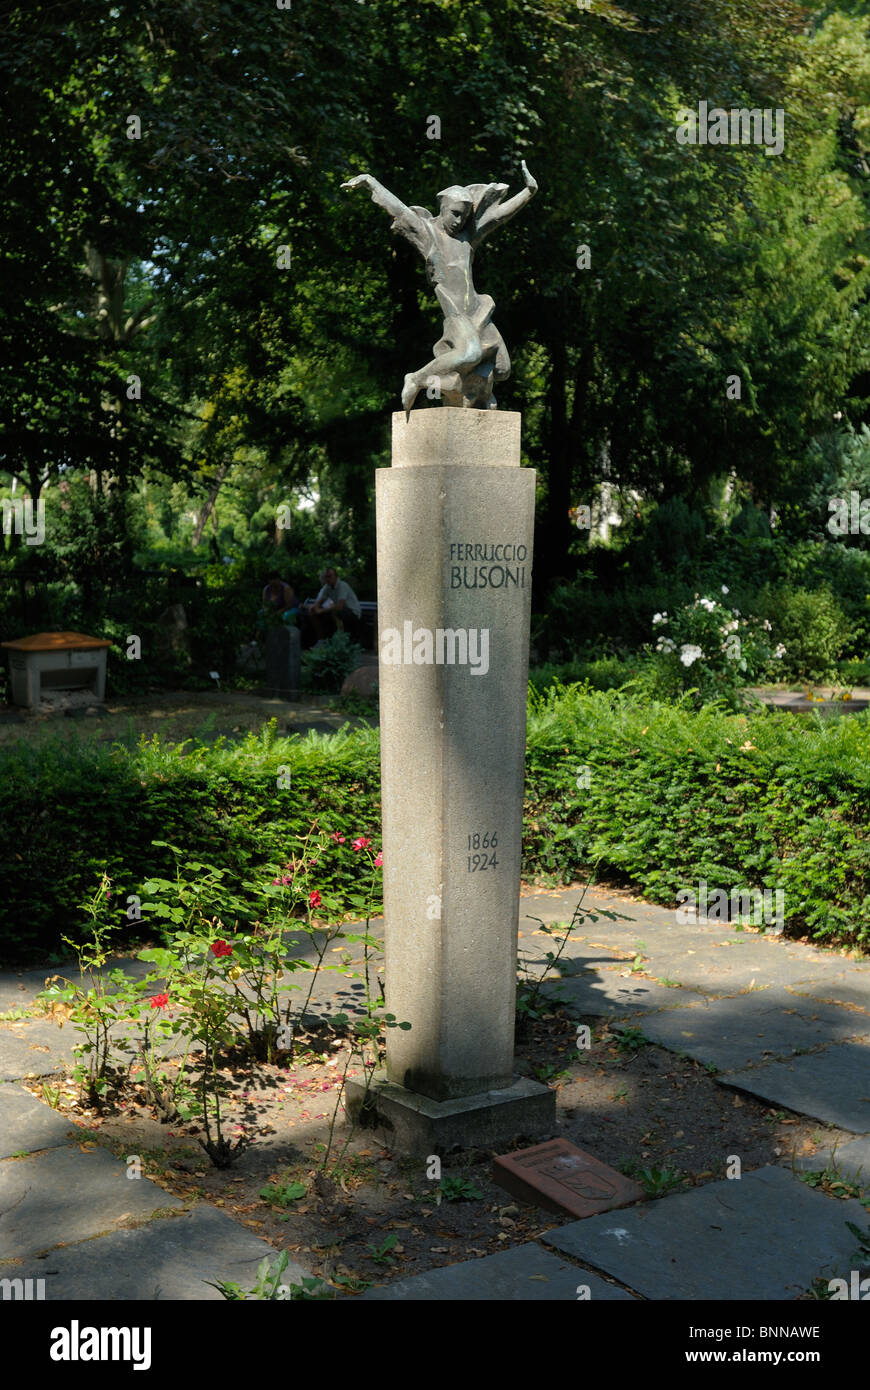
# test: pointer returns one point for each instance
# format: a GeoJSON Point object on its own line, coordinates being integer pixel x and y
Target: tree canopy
{"type": "Point", "coordinates": [189, 296]}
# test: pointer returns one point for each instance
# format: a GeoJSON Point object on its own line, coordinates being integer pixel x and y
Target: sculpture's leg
{"type": "Point", "coordinates": [494, 366]}
{"type": "Point", "coordinates": [464, 352]}
{"type": "Point", "coordinates": [410, 391]}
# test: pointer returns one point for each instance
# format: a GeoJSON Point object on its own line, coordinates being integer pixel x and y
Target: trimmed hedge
{"type": "Point", "coordinates": [766, 801]}
{"type": "Point", "coordinates": [675, 796]}
{"type": "Point", "coordinates": [72, 809]}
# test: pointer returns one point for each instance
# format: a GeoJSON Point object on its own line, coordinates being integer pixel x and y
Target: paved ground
{"type": "Point", "coordinates": [784, 1022]}
{"type": "Point", "coordinates": [176, 715]}
{"type": "Point", "coordinates": [824, 699]}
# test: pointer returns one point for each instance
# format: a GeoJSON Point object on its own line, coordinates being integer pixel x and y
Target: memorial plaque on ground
{"type": "Point", "coordinates": [560, 1177]}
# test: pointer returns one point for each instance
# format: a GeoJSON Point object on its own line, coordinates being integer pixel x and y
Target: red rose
{"type": "Point", "coordinates": [222, 948]}
{"type": "Point", "coordinates": [315, 898]}
{"type": "Point", "coordinates": [159, 1001]}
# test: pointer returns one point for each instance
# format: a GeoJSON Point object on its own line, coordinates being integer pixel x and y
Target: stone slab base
{"type": "Point", "coordinates": [414, 1124]}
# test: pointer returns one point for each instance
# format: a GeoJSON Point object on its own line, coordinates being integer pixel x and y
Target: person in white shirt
{"type": "Point", "coordinates": [335, 604]}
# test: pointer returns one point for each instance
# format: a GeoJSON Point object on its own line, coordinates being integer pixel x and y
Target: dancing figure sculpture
{"type": "Point", "coordinates": [470, 357]}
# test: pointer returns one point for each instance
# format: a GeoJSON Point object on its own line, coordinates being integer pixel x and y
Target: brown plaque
{"type": "Point", "coordinates": [562, 1178]}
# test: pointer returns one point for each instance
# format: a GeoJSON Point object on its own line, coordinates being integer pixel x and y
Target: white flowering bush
{"type": "Point", "coordinates": [713, 650]}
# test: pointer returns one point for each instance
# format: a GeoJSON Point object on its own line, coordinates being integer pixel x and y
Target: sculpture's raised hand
{"type": "Point", "coordinates": [531, 183]}
{"type": "Point", "coordinates": [356, 181]}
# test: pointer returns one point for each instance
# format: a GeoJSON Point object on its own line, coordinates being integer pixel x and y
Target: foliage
{"type": "Point", "coordinates": [455, 1188]}
{"type": "Point", "coordinates": [382, 1254]}
{"type": "Point", "coordinates": [603, 673]}
{"type": "Point", "coordinates": [283, 1194]}
{"type": "Point", "coordinates": [268, 1284]}
{"type": "Point", "coordinates": [215, 988]}
{"type": "Point", "coordinates": [103, 1003]}
{"type": "Point", "coordinates": [712, 651]}
{"type": "Point", "coordinates": [656, 1182]}
{"type": "Point", "coordinates": [831, 1182]}
{"type": "Point", "coordinates": [325, 667]}
{"type": "Point", "coordinates": [667, 795]}
{"type": "Point", "coordinates": [262, 383]}
{"type": "Point", "coordinates": [226, 803]}
{"type": "Point", "coordinates": [813, 628]}
{"type": "Point", "coordinates": [674, 796]}
{"type": "Point", "coordinates": [837, 464]}
{"type": "Point", "coordinates": [631, 1040]}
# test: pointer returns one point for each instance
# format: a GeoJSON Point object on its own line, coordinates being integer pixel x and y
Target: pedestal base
{"type": "Point", "coordinates": [414, 1124]}
{"type": "Point", "coordinates": [283, 662]}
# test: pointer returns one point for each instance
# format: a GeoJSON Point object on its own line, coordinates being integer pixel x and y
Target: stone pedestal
{"type": "Point", "coordinates": [283, 655]}
{"type": "Point", "coordinates": [455, 517]}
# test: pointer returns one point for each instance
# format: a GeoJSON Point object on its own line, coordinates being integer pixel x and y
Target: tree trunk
{"type": "Point", "coordinates": [208, 505]}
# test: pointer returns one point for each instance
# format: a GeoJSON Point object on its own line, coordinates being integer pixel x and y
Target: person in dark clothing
{"type": "Point", "coordinates": [279, 597]}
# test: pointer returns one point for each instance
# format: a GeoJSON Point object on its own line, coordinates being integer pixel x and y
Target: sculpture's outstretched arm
{"type": "Point", "coordinates": [499, 213]}
{"type": "Point", "coordinates": [383, 197]}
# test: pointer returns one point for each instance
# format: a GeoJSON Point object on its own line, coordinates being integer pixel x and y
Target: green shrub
{"type": "Point", "coordinates": [712, 651]}
{"type": "Point", "coordinates": [657, 795]}
{"type": "Point", "coordinates": [72, 809]}
{"type": "Point", "coordinates": [663, 796]}
{"type": "Point", "coordinates": [750, 521]}
{"type": "Point", "coordinates": [840, 464]}
{"type": "Point", "coordinates": [811, 626]}
{"type": "Point", "coordinates": [604, 673]}
{"type": "Point", "coordinates": [855, 672]}
{"type": "Point", "coordinates": [674, 537]}
{"type": "Point", "coordinates": [326, 667]}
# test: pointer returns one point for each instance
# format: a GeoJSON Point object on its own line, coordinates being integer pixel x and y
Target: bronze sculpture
{"type": "Point", "coordinates": [471, 356]}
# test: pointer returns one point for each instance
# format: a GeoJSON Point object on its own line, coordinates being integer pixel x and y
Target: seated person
{"type": "Point", "coordinates": [280, 598]}
{"type": "Point", "coordinates": [336, 606]}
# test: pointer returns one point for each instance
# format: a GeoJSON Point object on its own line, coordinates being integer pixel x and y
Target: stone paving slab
{"type": "Point", "coordinates": [629, 920]}
{"type": "Point", "coordinates": [833, 1086]}
{"type": "Point", "coordinates": [527, 1274]}
{"type": "Point", "coordinates": [35, 1048]}
{"type": "Point", "coordinates": [18, 990]}
{"type": "Point", "coordinates": [28, 1124]}
{"type": "Point", "coordinates": [732, 1032]}
{"type": "Point", "coordinates": [720, 961]}
{"type": "Point", "coordinates": [691, 948]}
{"type": "Point", "coordinates": [63, 1196]}
{"type": "Point", "coordinates": [579, 956]}
{"type": "Point", "coordinates": [170, 1258]}
{"type": "Point", "coordinates": [609, 995]}
{"type": "Point", "coordinates": [851, 1161]}
{"type": "Point", "coordinates": [722, 967]}
{"type": "Point", "coordinates": [841, 988]}
{"type": "Point", "coordinates": [764, 1236]}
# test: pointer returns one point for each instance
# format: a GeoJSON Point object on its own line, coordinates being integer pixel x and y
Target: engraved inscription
{"type": "Point", "coordinates": [482, 845]}
{"type": "Point", "coordinates": [484, 565]}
